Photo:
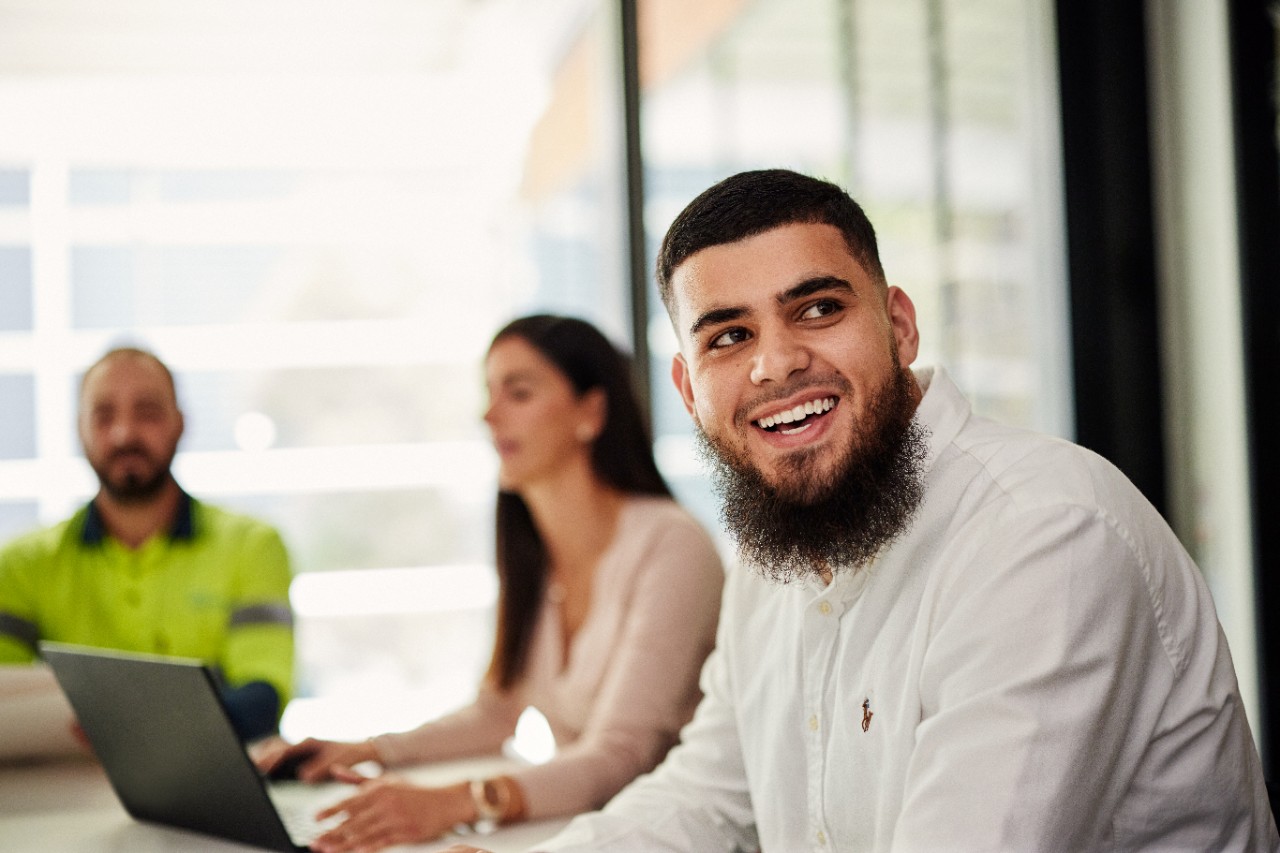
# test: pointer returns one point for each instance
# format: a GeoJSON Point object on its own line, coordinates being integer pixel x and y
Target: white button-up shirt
{"type": "Point", "coordinates": [1035, 665]}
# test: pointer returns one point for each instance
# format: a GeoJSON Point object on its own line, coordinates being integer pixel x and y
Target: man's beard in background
{"type": "Point", "coordinates": [803, 526]}
{"type": "Point", "coordinates": [134, 487]}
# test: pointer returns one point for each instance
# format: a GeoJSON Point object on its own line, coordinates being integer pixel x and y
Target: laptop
{"type": "Point", "coordinates": [169, 750]}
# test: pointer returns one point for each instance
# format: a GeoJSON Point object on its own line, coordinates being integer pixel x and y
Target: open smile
{"type": "Point", "coordinates": [798, 418]}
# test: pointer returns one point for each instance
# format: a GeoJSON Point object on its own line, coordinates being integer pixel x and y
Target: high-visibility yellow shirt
{"type": "Point", "coordinates": [215, 587]}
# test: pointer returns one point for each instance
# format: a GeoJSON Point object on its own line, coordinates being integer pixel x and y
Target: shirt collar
{"type": "Point", "coordinates": [942, 411]}
{"type": "Point", "coordinates": [183, 527]}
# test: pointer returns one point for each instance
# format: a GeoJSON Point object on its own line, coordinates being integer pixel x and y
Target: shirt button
{"type": "Point", "coordinates": [824, 608]}
{"type": "Point", "coordinates": [813, 723]}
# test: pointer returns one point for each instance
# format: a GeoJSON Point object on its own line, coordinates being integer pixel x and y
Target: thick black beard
{"type": "Point", "coordinates": [807, 528]}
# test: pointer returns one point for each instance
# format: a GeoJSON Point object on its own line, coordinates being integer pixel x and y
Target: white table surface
{"type": "Point", "coordinates": [67, 806]}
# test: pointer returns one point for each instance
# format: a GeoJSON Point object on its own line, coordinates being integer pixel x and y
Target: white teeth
{"type": "Point", "coordinates": [799, 413]}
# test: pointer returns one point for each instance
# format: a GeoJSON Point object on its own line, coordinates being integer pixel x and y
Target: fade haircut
{"type": "Point", "coordinates": [751, 203]}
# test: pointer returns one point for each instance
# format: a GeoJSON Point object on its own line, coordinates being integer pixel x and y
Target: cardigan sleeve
{"type": "Point", "coordinates": [475, 729]}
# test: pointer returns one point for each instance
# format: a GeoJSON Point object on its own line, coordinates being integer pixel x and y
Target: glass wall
{"type": "Point", "coordinates": [938, 115]}
{"type": "Point", "coordinates": [318, 215]}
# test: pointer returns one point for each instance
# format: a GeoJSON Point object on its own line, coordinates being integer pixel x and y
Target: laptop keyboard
{"type": "Point", "coordinates": [299, 819]}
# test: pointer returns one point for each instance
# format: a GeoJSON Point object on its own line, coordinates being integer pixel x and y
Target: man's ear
{"type": "Point", "coordinates": [902, 317]}
{"type": "Point", "coordinates": [680, 376]}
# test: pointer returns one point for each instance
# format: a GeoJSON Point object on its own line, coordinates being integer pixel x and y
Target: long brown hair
{"type": "Point", "coordinates": [622, 457]}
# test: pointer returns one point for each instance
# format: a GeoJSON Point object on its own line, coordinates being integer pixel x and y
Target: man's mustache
{"type": "Point", "coordinates": [129, 450]}
{"type": "Point", "coordinates": [835, 380]}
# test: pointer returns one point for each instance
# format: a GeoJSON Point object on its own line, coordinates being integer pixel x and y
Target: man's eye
{"type": "Point", "coordinates": [821, 308]}
{"type": "Point", "coordinates": [728, 338]}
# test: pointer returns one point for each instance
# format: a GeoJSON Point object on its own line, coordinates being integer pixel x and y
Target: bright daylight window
{"type": "Point", "coordinates": [318, 215]}
{"type": "Point", "coordinates": [940, 118]}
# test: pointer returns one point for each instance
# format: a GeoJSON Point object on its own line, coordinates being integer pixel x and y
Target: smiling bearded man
{"type": "Point", "coordinates": [1032, 662]}
{"type": "Point", "coordinates": [809, 524]}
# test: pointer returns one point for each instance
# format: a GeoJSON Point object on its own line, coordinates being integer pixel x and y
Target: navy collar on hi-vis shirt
{"type": "Point", "coordinates": [183, 527]}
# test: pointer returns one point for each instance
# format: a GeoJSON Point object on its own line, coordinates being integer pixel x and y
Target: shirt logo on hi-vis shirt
{"type": "Point", "coordinates": [867, 714]}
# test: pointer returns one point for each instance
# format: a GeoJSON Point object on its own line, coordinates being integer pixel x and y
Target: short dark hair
{"type": "Point", "coordinates": [621, 455]}
{"type": "Point", "coordinates": [129, 351]}
{"type": "Point", "coordinates": [751, 203]}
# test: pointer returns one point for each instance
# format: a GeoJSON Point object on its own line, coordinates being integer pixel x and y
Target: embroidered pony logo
{"type": "Point", "coordinates": [867, 714]}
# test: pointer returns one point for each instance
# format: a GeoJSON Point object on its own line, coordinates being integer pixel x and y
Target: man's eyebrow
{"type": "Point", "coordinates": [810, 286]}
{"type": "Point", "coordinates": [715, 316]}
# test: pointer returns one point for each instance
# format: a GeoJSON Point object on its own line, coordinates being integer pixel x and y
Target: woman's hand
{"type": "Point", "coordinates": [389, 810]}
{"type": "Point", "coordinates": [313, 760]}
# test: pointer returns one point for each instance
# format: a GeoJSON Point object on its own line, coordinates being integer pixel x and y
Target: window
{"type": "Point", "coordinates": [939, 117]}
{"type": "Point", "coordinates": [318, 216]}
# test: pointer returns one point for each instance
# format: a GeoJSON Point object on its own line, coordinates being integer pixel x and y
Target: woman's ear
{"type": "Point", "coordinates": [594, 408]}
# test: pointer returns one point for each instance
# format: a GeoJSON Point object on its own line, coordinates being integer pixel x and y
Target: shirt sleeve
{"type": "Point", "coordinates": [1032, 688]}
{"type": "Point", "coordinates": [18, 629]}
{"type": "Point", "coordinates": [651, 684]}
{"type": "Point", "coordinates": [696, 801]}
{"type": "Point", "coordinates": [259, 644]}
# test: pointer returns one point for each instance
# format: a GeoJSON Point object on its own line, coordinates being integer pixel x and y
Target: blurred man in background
{"type": "Point", "coordinates": [144, 567]}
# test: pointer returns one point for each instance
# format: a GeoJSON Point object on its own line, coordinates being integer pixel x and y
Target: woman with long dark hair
{"type": "Point", "coordinates": [608, 599]}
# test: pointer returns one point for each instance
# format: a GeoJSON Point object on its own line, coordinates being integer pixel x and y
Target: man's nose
{"type": "Point", "coordinates": [123, 430]}
{"type": "Point", "coordinates": [776, 358]}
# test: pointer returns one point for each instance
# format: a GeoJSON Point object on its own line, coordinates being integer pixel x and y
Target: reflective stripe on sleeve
{"type": "Point", "coordinates": [22, 630]}
{"type": "Point", "coordinates": [262, 614]}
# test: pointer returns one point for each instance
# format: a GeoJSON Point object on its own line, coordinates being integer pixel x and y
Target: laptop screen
{"type": "Point", "coordinates": [159, 729]}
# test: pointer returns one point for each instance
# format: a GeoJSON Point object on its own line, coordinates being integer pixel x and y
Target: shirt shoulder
{"type": "Point", "coordinates": [43, 544]}
{"type": "Point", "coordinates": [1002, 499]}
{"type": "Point", "coordinates": [213, 518]}
{"type": "Point", "coordinates": [1021, 471]}
{"type": "Point", "coordinates": [241, 543]}
{"type": "Point", "coordinates": [1012, 465]}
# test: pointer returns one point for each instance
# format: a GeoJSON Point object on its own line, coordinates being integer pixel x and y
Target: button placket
{"type": "Point", "coordinates": [821, 627]}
